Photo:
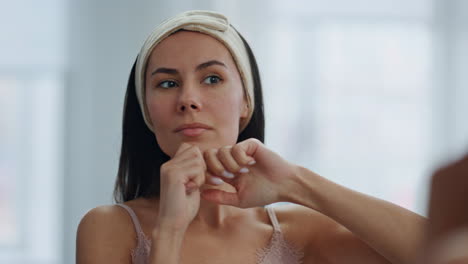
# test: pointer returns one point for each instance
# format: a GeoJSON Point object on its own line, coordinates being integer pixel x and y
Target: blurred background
{"type": "Point", "coordinates": [371, 94]}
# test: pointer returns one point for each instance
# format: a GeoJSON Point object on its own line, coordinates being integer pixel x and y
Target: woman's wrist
{"type": "Point", "coordinates": [166, 245]}
{"type": "Point", "coordinates": [304, 188]}
{"type": "Point", "coordinates": [161, 232]}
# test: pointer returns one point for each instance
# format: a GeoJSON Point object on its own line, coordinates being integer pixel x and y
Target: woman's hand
{"type": "Point", "coordinates": [181, 178]}
{"type": "Point", "coordinates": [259, 175]}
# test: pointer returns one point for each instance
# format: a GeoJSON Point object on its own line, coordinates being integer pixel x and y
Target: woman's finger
{"type": "Point", "coordinates": [194, 176]}
{"type": "Point", "coordinates": [214, 165]}
{"type": "Point", "coordinates": [239, 153]}
{"type": "Point", "coordinates": [216, 180]}
{"type": "Point", "coordinates": [212, 179]}
{"type": "Point", "coordinates": [225, 157]}
{"type": "Point", "coordinates": [198, 166]}
{"type": "Point", "coordinates": [221, 197]}
{"type": "Point", "coordinates": [188, 167]}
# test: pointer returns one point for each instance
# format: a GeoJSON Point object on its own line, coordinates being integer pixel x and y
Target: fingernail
{"type": "Point", "coordinates": [244, 170]}
{"type": "Point", "coordinates": [216, 180]}
{"type": "Point", "coordinates": [228, 175]}
{"type": "Point", "coordinates": [252, 162]}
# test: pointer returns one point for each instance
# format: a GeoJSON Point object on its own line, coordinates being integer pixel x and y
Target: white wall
{"type": "Point", "coordinates": [32, 34]}
{"type": "Point", "coordinates": [451, 87]}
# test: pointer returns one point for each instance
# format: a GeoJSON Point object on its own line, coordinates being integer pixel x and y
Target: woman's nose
{"type": "Point", "coordinates": [189, 100]}
{"type": "Point", "coordinates": [189, 106]}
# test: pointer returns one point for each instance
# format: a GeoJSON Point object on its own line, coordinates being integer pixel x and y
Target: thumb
{"type": "Point", "coordinates": [220, 197]}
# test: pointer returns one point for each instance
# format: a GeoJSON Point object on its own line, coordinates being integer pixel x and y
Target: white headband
{"type": "Point", "coordinates": [208, 22]}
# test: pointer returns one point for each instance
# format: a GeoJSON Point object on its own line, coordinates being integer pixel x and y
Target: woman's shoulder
{"type": "Point", "coordinates": [289, 213]}
{"type": "Point", "coordinates": [103, 230]}
{"type": "Point", "coordinates": [320, 236]}
{"type": "Point", "coordinates": [304, 224]}
{"type": "Point", "coordinates": [109, 216]}
{"type": "Point", "coordinates": [105, 219]}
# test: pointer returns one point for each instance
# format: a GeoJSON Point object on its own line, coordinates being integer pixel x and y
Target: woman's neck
{"type": "Point", "coordinates": [213, 215]}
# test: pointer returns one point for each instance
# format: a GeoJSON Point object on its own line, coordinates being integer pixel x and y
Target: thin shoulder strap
{"type": "Point", "coordinates": [135, 220]}
{"type": "Point", "coordinates": [273, 219]}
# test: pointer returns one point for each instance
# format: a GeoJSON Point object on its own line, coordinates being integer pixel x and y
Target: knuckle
{"type": "Point", "coordinates": [255, 140]}
{"type": "Point", "coordinates": [226, 148]}
{"type": "Point", "coordinates": [237, 151]}
{"type": "Point", "coordinates": [216, 168]}
{"type": "Point", "coordinates": [210, 153]}
{"type": "Point", "coordinates": [234, 168]}
{"type": "Point", "coordinates": [218, 171]}
{"type": "Point", "coordinates": [219, 154]}
{"type": "Point", "coordinates": [224, 151]}
{"type": "Point", "coordinates": [236, 148]}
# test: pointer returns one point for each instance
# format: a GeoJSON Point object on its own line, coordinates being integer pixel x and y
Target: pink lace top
{"type": "Point", "coordinates": [278, 250]}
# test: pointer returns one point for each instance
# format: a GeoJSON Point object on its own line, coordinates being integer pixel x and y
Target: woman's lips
{"type": "Point", "coordinates": [192, 132]}
{"type": "Point", "coordinates": [192, 129]}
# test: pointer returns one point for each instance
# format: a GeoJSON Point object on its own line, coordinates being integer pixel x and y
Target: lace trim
{"type": "Point", "coordinates": [279, 251]}
{"type": "Point", "coordinates": [140, 254]}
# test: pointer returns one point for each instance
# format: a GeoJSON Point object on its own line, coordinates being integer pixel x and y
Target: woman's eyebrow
{"type": "Point", "coordinates": [165, 70]}
{"type": "Point", "coordinates": [198, 68]}
{"type": "Point", "coordinates": [208, 64]}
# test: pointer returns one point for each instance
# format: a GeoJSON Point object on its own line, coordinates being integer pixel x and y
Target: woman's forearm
{"type": "Point", "coordinates": [392, 231]}
{"type": "Point", "coordinates": [166, 247]}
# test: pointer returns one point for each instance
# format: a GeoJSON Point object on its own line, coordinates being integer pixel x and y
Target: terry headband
{"type": "Point", "coordinates": [208, 22]}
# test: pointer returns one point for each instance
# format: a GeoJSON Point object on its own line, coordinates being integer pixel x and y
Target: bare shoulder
{"type": "Point", "coordinates": [322, 238]}
{"type": "Point", "coordinates": [294, 214]}
{"type": "Point", "coordinates": [291, 211]}
{"type": "Point", "coordinates": [308, 229]}
{"type": "Point", "coordinates": [303, 224]}
{"type": "Point", "coordinates": [106, 220]}
{"type": "Point", "coordinates": [310, 225]}
{"type": "Point", "coordinates": [105, 234]}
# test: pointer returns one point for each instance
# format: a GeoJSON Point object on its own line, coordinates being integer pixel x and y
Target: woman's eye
{"type": "Point", "coordinates": [213, 79]}
{"type": "Point", "coordinates": [167, 84]}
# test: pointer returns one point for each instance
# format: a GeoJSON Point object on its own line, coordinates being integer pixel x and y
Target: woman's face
{"type": "Point", "coordinates": [194, 92]}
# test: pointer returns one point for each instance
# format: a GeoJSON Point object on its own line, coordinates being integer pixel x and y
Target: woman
{"type": "Point", "coordinates": [194, 173]}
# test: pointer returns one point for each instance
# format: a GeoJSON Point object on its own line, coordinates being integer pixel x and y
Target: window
{"type": "Point", "coordinates": [348, 90]}
{"type": "Point", "coordinates": [9, 125]}
{"type": "Point", "coordinates": [30, 167]}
